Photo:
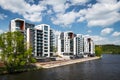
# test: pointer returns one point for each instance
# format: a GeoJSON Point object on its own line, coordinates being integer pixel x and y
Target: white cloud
{"type": "Point", "coordinates": [98, 40]}
{"type": "Point", "coordinates": [95, 37]}
{"type": "Point", "coordinates": [49, 11]}
{"type": "Point", "coordinates": [2, 16]}
{"type": "Point", "coordinates": [89, 31]}
{"type": "Point", "coordinates": [56, 32]}
{"type": "Point", "coordinates": [106, 31]}
{"type": "Point", "coordinates": [78, 2]}
{"type": "Point", "coordinates": [58, 6]}
{"type": "Point", "coordinates": [101, 13]}
{"type": "Point", "coordinates": [116, 34]}
{"type": "Point", "coordinates": [29, 12]}
{"type": "Point", "coordinates": [65, 19]}
{"type": "Point", "coordinates": [1, 31]}
{"type": "Point", "coordinates": [30, 1]}
{"type": "Point", "coordinates": [107, 1]}
{"type": "Point", "coordinates": [117, 42]}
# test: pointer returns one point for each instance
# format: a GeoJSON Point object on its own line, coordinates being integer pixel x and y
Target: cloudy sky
{"type": "Point", "coordinates": [99, 19]}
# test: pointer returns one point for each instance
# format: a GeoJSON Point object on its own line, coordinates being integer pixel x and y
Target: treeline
{"type": "Point", "coordinates": [110, 49]}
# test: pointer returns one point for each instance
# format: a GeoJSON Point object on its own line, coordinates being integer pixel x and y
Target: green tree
{"type": "Point", "coordinates": [14, 51]}
{"type": "Point", "coordinates": [54, 49]}
{"type": "Point", "coordinates": [98, 50]}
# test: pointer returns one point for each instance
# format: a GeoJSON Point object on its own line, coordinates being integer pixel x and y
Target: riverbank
{"type": "Point", "coordinates": [47, 65]}
{"type": "Point", "coordinates": [53, 64]}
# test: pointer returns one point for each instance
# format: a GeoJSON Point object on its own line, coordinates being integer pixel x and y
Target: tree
{"type": "Point", "coordinates": [98, 50]}
{"type": "Point", "coordinates": [14, 51]}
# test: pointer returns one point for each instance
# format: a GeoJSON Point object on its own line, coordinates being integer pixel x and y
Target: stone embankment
{"type": "Point", "coordinates": [53, 64]}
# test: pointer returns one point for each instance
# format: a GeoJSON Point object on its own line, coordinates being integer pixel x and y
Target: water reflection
{"type": "Point", "coordinates": [107, 68]}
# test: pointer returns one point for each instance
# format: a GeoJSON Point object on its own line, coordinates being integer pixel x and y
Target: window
{"type": "Point", "coordinates": [45, 50]}
{"type": "Point", "coordinates": [45, 47]}
{"type": "Point", "coordinates": [46, 28]}
{"type": "Point", "coordinates": [45, 38]}
{"type": "Point", "coordinates": [17, 28]}
{"type": "Point", "coordinates": [45, 44]}
{"type": "Point", "coordinates": [45, 41]}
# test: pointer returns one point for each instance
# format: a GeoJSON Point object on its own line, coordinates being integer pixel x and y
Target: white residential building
{"type": "Point", "coordinates": [65, 43]}
{"type": "Point", "coordinates": [89, 47]}
{"type": "Point", "coordinates": [45, 39]}
{"type": "Point", "coordinates": [70, 44]}
{"type": "Point", "coordinates": [79, 45]}
{"type": "Point", "coordinates": [40, 38]}
{"type": "Point", "coordinates": [17, 24]}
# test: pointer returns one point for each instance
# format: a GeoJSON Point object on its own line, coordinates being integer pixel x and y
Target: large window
{"type": "Point", "coordinates": [18, 24]}
{"type": "Point", "coordinates": [46, 28]}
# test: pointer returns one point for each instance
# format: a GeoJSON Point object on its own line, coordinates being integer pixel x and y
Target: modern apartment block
{"type": "Point", "coordinates": [78, 45]}
{"type": "Point", "coordinates": [39, 37]}
{"type": "Point", "coordinates": [70, 44]}
{"type": "Point", "coordinates": [24, 27]}
{"type": "Point", "coordinates": [44, 38]}
{"type": "Point", "coordinates": [19, 24]}
{"type": "Point", "coordinates": [66, 44]}
{"type": "Point", "coordinates": [89, 47]}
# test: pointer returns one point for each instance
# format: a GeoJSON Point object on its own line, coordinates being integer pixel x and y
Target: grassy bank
{"type": "Point", "coordinates": [4, 70]}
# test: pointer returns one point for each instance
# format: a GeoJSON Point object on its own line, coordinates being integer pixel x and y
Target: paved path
{"type": "Point", "coordinates": [53, 64]}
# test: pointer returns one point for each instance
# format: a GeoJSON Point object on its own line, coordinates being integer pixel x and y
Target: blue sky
{"type": "Point", "coordinates": [99, 19]}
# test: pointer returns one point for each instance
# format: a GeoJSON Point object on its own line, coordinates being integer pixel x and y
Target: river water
{"type": "Point", "coordinates": [106, 68]}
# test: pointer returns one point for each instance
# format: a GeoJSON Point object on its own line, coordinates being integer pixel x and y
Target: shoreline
{"type": "Point", "coordinates": [53, 64]}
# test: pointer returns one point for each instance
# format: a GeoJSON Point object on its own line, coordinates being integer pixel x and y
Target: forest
{"type": "Point", "coordinates": [110, 49]}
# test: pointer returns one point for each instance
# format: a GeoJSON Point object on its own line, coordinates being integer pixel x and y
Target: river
{"type": "Point", "coordinates": [106, 68]}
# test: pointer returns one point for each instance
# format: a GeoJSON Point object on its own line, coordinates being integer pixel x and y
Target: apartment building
{"type": "Point", "coordinates": [45, 39]}
{"type": "Point", "coordinates": [39, 37]}
{"type": "Point", "coordinates": [66, 43]}
{"type": "Point", "coordinates": [20, 24]}
{"type": "Point", "coordinates": [25, 28]}
{"type": "Point", "coordinates": [79, 45]}
{"type": "Point", "coordinates": [89, 47]}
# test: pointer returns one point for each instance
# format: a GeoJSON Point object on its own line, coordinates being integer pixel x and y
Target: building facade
{"type": "Point", "coordinates": [75, 45]}
{"type": "Point", "coordinates": [39, 37]}
{"type": "Point", "coordinates": [79, 45]}
{"type": "Point", "coordinates": [45, 39]}
{"type": "Point", "coordinates": [89, 47]}
{"type": "Point", "coordinates": [66, 43]}
{"type": "Point", "coordinates": [42, 39]}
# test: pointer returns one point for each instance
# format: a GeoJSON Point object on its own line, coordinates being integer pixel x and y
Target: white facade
{"type": "Point", "coordinates": [42, 41]}
{"type": "Point", "coordinates": [89, 47]}
{"type": "Point", "coordinates": [79, 45]}
{"type": "Point", "coordinates": [39, 38]}
{"type": "Point", "coordinates": [46, 39]}
{"type": "Point", "coordinates": [17, 24]}
{"type": "Point", "coordinates": [65, 43]}
{"type": "Point", "coordinates": [71, 44]}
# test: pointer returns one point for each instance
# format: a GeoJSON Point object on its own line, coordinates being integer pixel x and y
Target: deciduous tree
{"type": "Point", "coordinates": [14, 50]}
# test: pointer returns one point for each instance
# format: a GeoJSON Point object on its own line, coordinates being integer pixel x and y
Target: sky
{"type": "Point", "coordinates": [99, 19]}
